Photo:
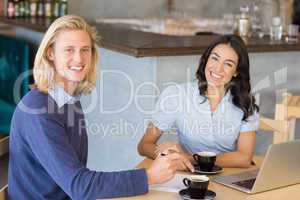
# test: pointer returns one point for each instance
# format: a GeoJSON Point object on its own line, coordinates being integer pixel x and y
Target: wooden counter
{"type": "Point", "coordinates": [145, 44]}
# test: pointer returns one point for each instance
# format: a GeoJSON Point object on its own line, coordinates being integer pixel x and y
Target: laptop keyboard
{"type": "Point", "coordinates": [246, 183]}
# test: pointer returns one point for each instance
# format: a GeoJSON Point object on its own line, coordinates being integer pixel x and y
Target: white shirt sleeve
{"type": "Point", "coordinates": [167, 108]}
{"type": "Point", "coordinates": [251, 123]}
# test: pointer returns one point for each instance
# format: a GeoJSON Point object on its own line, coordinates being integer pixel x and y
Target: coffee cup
{"type": "Point", "coordinates": [205, 160]}
{"type": "Point", "coordinates": [197, 186]}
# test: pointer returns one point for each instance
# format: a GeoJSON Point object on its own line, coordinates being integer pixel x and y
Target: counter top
{"type": "Point", "coordinates": [35, 24]}
{"type": "Point", "coordinates": [145, 44]}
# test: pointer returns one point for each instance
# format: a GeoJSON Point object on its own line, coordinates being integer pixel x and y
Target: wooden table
{"type": "Point", "coordinates": [223, 192]}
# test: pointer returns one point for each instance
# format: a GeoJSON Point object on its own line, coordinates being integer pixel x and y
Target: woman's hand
{"type": "Point", "coordinates": [183, 162]}
{"type": "Point", "coordinates": [169, 146]}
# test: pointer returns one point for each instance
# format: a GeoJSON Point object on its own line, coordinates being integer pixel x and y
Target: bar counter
{"type": "Point", "coordinates": [145, 44]}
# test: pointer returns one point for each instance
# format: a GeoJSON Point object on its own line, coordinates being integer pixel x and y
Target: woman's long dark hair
{"type": "Point", "coordinates": [239, 86]}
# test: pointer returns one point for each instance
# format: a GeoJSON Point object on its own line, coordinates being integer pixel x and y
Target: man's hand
{"type": "Point", "coordinates": [161, 170]}
{"type": "Point", "coordinates": [164, 168]}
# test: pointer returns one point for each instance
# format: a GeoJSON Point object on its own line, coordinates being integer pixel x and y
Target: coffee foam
{"type": "Point", "coordinates": [207, 153]}
{"type": "Point", "coordinates": [199, 178]}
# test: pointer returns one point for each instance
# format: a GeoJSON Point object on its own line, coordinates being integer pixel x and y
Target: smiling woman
{"type": "Point", "coordinates": [217, 113]}
{"type": "Point", "coordinates": [236, 76]}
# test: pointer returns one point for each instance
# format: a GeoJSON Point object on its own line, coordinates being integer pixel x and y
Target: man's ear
{"type": "Point", "coordinates": [50, 54]}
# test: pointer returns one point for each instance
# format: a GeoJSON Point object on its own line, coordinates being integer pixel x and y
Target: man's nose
{"type": "Point", "coordinates": [77, 56]}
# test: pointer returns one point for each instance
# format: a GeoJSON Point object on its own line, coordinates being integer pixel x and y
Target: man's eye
{"type": "Point", "coordinates": [69, 50]}
{"type": "Point", "coordinates": [85, 50]}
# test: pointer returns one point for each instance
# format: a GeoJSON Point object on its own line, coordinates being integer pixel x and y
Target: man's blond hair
{"type": "Point", "coordinates": [43, 70]}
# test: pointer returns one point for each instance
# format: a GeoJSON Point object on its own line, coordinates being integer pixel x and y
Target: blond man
{"type": "Point", "coordinates": [48, 147]}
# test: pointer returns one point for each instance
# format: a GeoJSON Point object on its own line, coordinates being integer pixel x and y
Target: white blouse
{"type": "Point", "coordinates": [198, 128]}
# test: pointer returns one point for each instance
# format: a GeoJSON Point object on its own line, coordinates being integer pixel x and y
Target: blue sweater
{"type": "Point", "coordinates": [48, 156]}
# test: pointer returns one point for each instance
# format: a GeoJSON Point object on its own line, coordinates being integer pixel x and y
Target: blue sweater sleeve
{"type": "Point", "coordinates": [48, 140]}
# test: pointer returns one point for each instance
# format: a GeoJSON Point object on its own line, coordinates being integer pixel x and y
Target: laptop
{"type": "Point", "coordinates": [281, 167]}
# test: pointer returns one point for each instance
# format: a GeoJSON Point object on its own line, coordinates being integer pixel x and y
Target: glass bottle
{"type": "Point", "coordinates": [2, 9]}
{"type": "Point", "coordinates": [256, 19]}
{"type": "Point", "coordinates": [17, 8]}
{"type": "Point", "coordinates": [276, 29]}
{"type": "Point", "coordinates": [22, 8]}
{"type": "Point", "coordinates": [269, 10]}
{"type": "Point", "coordinates": [63, 7]}
{"type": "Point", "coordinates": [40, 8]}
{"type": "Point", "coordinates": [10, 9]}
{"type": "Point", "coordinates": [27, 8]}
{"type": "Point", "coordinates": [33, 8]}
{"type": "Point", "coordinates": [48, 8]}
{"type": "Point", "coordinates": [244, 23]}
{"type": "Point", "coordinates": [56, 8]}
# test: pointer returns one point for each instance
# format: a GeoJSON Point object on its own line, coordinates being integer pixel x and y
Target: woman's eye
{"type": "Point", "coordinates": [229, 64]}
{"type": "Point", "coordinates": [214, 58]}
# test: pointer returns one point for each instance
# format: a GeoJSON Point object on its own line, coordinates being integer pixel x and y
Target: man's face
{"type": "Point", "coordinates": [71, 55]}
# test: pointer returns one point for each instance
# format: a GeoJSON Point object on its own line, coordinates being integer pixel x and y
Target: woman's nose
{"type": "Point", "coordinates": [219, 67]}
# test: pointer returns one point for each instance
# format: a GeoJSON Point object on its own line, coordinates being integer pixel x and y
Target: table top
{"type": "Point", "coordinates": [223, 192]}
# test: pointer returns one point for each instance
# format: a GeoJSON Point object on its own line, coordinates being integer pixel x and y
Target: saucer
{"type": "Point", "coordinates": [216, 169]}
{"type": "Point", "coordinates": [186, 195]}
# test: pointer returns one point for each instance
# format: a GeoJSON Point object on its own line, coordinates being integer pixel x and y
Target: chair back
{"type": "Point", "coordinates": [288, 110]}
{"type": "Point", "coordinates": [3, 193]}
{"type": "Point", "coordinates": [279, 128]}
{"type": "Point", "coordinates": [291, 105]}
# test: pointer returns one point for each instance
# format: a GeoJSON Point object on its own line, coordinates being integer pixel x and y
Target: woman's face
{"type": "Point", "coordinates": [221, 65]}
{"type": "Point", "coordinates": [71, 56]}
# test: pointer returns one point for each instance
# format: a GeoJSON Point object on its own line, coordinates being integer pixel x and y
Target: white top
{"type": "Point", "coordinates": [199, 129]}
{"type": "Point", "coordinates": [61, 97]}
